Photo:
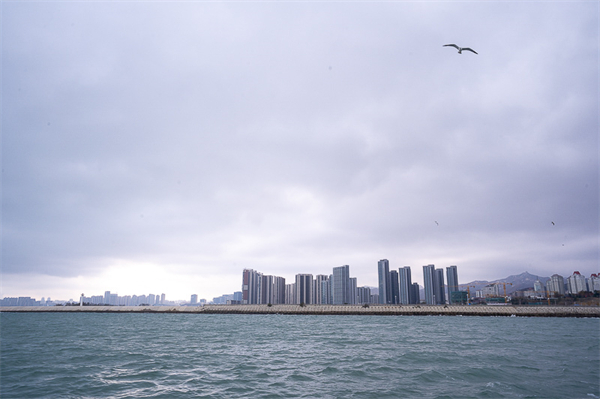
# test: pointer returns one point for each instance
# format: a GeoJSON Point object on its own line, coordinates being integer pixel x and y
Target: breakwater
{"type": "Point", "coordinates": [373, 310]}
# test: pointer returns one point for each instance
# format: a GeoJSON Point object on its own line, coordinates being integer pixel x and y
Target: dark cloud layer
{"type": "Point", "coordinates": [202, 138]}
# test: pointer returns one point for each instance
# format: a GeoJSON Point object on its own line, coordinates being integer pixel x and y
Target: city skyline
{"type": "Point", "coordinates": [404, 275]}
{"type": "Point", "coordinates": [259, 288]}
{"type": "Point", "coordinates": [168, 145]}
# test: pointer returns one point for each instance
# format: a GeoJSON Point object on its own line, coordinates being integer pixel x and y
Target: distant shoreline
{"type": "Point", "coordinates": [371, 310]}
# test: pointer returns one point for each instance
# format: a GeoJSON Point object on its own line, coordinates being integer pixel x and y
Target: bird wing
{"type": "Point", "coordinates": [452, 45]}
{"type": "Point", "coordinates": [469, 49]}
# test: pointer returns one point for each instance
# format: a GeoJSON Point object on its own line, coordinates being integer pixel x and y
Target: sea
{"type": "Point", "coordinates": [140, 355]}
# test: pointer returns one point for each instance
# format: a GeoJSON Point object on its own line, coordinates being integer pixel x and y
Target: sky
{"type": "Point", "coordinates": [163, 147]}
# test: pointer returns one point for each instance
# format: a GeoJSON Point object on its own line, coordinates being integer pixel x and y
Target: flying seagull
{"type": "Point", "coordinates": [460, 49]}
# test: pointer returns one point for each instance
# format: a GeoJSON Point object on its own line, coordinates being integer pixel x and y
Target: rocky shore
{"type": "Point", "coordinates": [374, 310]}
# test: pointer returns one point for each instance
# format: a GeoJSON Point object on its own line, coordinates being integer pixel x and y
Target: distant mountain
{"type": "Point", "coordinates": [519, 282]}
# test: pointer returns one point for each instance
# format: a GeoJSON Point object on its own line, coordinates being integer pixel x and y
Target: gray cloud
{"type": "Point", "coordinates": [292, 137]}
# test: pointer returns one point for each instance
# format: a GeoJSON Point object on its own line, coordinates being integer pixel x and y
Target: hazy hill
{"type": "Point", "coordinates": [519, 282]}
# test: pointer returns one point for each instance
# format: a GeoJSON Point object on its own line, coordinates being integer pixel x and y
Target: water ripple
{"type": "Point", "coordinates": [271, 356]}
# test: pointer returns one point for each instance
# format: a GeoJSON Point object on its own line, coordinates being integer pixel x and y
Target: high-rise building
{"type": "Point", "coordinates": [594, 283]}
{"type": "Point", "coordinates": [265, 289]}
{"type": "Point", "coordinates": [318, 288]}
{"type": "Point", "coordinates": [353, 286]}
{"type": "Point", "coordinates": [290, 294]}
{"type": "Point", "coordinates": [556, 285]}
{"type": "Point", "coordinates": [304, 287]}
{"type": "Point", "coordinates": [363, 295]}
{"type": "Point", "coordinates": [251, 284]}
{"type": "Point", "coordinates": [428, 283]}
{"type": "Point", "coordinates": [493, 290]}
{"type": "Point", "coordinates": [452, 275]}
{"type": "Point", "coordinates": [394, 293]}
{"type": "Point", "coordinates": [278, 290]}
{"type": "Point", "coordinates": [439, 290]}
{"type": "Point", "coordinates": [162, 299]}
{"type": "Point", "coordinates": [576, 283]}
{"type": "Point", "coordinates": [383, 272]}
{"type": "Point", "coordinates": [404, 285]}
{"type": "Point", "coordinates": [340, 285]}
{"type": "Point", "coordinates": [415, 295]}
{"type": "Point", "coordinates": [194, 299]}
{"type": "Point", "coordinates": [326, 291]}
{"type": "Point", "coordinates": [538, 287]}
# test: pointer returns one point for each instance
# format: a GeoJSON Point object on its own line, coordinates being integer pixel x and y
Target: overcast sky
{"type": "Point", "coordinates": [158, 147]}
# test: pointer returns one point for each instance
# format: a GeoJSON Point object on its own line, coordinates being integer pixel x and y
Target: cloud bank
{"type": "Point", "coordinates": [185, 142]}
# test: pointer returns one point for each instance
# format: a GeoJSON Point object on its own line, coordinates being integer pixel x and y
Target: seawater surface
{"type": "Point", "coordinates": [136, 355]}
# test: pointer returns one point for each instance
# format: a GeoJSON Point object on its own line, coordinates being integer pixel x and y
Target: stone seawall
{"type": "Point", "coordinates": [373, 310]}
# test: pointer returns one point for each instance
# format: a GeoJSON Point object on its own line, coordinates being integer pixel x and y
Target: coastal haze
{"type": "Point", "coordinates": [163, 148]}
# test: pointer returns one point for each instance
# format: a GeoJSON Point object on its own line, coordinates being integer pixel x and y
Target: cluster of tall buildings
{"type": "Point", "coordinates": [396, 287]}
{"type": "Point", "coordinates": [338, 288]}
{"type": "Point", "coordinates": [575, 284]}
{"type": "Point", "coordinates": [26, 301]}
{"type": "Point", "coordinates": [555, 286]}
{"type": "Point", "coordinates": [235, 298]}
{"type": "Point", "coordinates": [127, 300]}
{"type": "Point", "coordinates": [107, 299]}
